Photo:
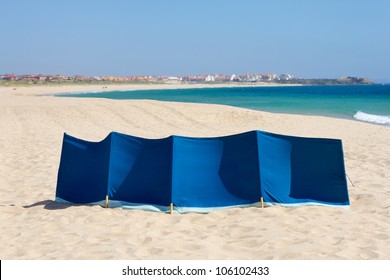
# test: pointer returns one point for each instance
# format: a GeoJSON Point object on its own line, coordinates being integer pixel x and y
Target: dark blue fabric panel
{"type": "Point", "coordinates": [297, 170]}
{"type": "Point", "coordinates": [214, 172]}
{"type": "Point", "coordinates": [83, 172]}
{"type": "Point", "coordinates": [239, 170]}
{"type": "Point", "coordinates": [140, 170]}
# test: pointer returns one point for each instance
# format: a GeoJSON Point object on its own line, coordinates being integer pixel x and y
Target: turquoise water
{"type": "Point", "coordinates": [370, 103]}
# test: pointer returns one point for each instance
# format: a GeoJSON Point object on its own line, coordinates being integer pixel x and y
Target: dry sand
{"type": "Point", "coordinates": [33, 226]}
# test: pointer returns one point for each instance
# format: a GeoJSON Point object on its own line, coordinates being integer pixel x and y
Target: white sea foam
{"type": "Point", "coordinates": [372, 118]}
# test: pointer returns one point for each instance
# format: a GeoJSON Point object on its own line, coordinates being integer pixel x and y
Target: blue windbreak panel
{"type": "Point", "coordinates": [140, 170]}
{"type": "Point", "coordinates": [203, 172]}
{"type": "Point", "coordinates": [275, 168]}
{"type": "Point", "coordinates": [83, 172]}
{"type": "Point", "coordinates": [240, 167]}
{"type": "Point", "coordinates": [214, 172]}
{"type": "Point", "coordinates": [298, 170]}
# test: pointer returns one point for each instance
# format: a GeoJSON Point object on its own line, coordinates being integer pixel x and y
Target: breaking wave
{"type": "Point", "coordinates": [378, 119]}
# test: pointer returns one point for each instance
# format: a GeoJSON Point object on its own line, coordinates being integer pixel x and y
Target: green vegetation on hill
{"type": "Point", "coordinates": [340, 81]}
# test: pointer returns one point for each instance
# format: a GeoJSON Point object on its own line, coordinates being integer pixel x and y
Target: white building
{"type": "Point", "coordinates": [210, 78]}
{"type": "Point", "coordinates": [234, 78]}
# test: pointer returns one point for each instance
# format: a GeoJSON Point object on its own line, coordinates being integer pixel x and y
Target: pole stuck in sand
{"type": "Point", "coordinates": [106, 201]}
{"type": "Point", "coordinates": [261, 202]}
{"type": "Point", "coordinates": [171, 208]}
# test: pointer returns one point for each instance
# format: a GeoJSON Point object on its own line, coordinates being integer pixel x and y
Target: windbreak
{"type": "Point", "coordinates": [202, 174]}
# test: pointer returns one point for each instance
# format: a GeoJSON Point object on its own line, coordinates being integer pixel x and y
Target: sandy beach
{"type": "Point", "coordinates": [33, 226]}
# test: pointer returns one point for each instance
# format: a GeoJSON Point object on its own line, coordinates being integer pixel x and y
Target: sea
{"type": "Point", "coordinates": [366, 103]}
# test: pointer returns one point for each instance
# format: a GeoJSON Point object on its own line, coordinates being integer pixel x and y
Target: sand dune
{"type": "Point", "coordinates": [33, 226]}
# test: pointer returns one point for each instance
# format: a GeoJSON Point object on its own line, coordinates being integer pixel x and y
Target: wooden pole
{"type": "Point", "coordinates": [171, 208]}
{"type": "Point", "coordinates": [261, 202]}
{"type": "Point", "coordinates": [106, 201]}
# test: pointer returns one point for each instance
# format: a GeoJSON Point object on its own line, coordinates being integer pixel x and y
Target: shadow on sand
{"type": "Point", "coordinates": [51, 205]}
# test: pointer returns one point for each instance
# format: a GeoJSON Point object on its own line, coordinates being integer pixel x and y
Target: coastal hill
{"type": "Point", "coordinates": [340, 81]}
{"type": "Point", "coordinates": [354, 80]}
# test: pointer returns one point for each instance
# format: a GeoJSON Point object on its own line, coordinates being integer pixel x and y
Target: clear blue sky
{"type": "Point", "coordinates": [307, 38]}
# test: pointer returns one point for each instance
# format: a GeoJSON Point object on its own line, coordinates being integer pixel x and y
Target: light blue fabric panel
{"type": "Point", "coordinates": [215, 172]}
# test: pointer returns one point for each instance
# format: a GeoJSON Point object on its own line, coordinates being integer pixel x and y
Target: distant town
{"type": "Point", "coordinates": [203, 78]}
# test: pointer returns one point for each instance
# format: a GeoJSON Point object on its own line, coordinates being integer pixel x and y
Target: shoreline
{"type": "Point", "coordinates": [80, 89]}
{"type": "Point", "coordinates": [39, 90]}
{"type": "Point", "coordinates": [50, 91]}
{"type": "Point", "coordinates": [33, 224]}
